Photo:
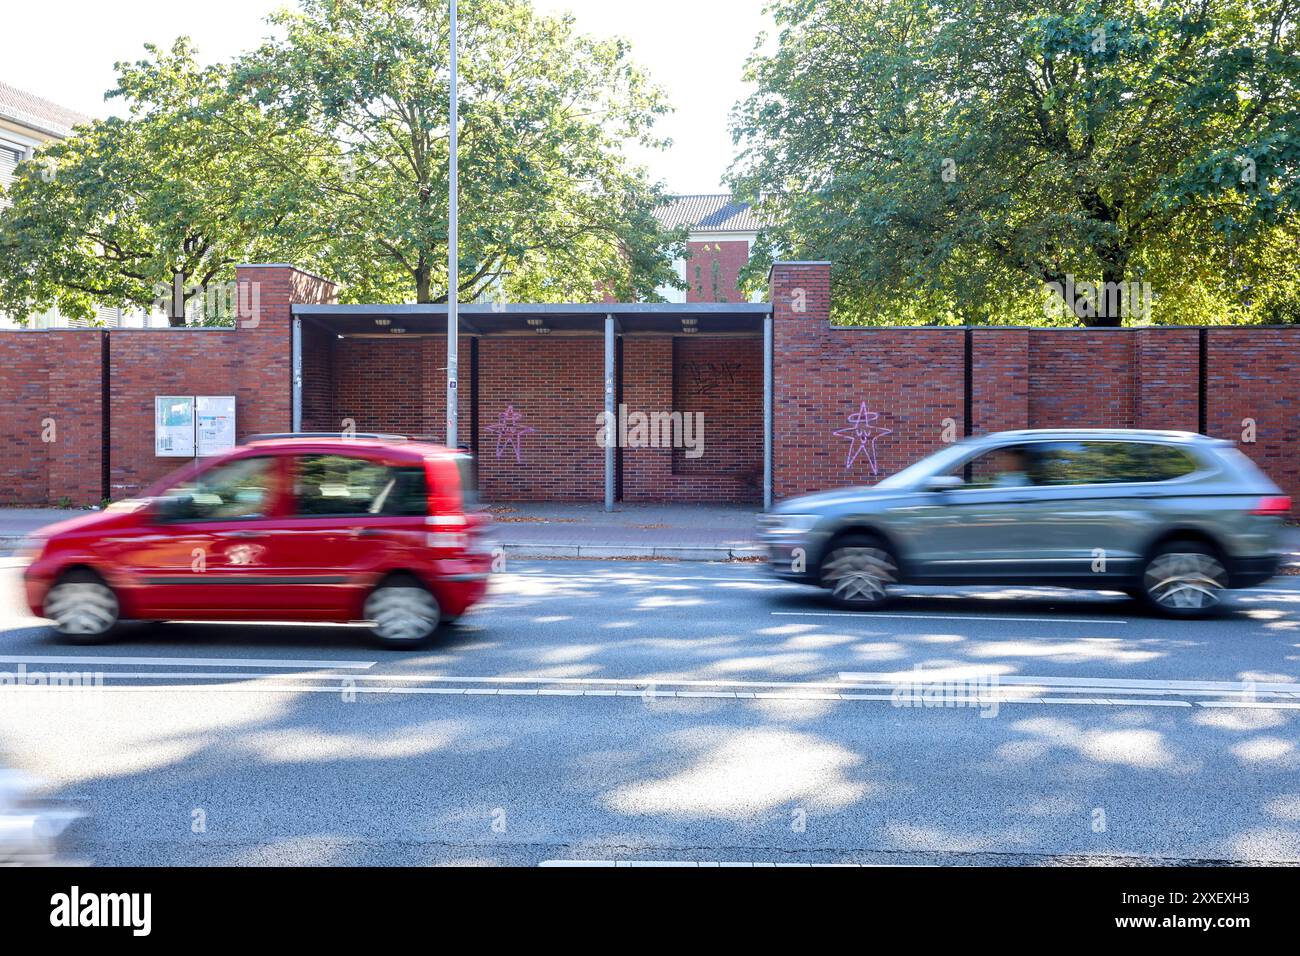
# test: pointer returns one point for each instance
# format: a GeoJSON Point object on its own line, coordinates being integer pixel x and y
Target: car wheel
{"type": "Point", "coordinates": [859, 571]}
{"type": "Point", "coordinates": [1185, 579]}
{"type": "Point", "coordinates": [404, 612]}
{"type": "Point", "coordinates": [83, 608]}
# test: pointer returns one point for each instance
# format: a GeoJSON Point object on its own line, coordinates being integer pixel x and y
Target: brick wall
{"type": "Point", "coordinates": [912, 382]}
{"type": "Point", "coordinates": [58, 375]}
{"type": "Point", "coordinates": [51, 397]}
{"type": "Point", "coordinates": [720, 378]}
{"type": "Point", "coordinates": [555, 387]}
{"type": "Point", "coordinates": [713, 270]}
{"type": "Point", "coordinates": [1252, 374]}
{"type": "Point", "coordinates": [915, 379]}
{"type": "Point", "coordinates": [144, 363]}
{"type": "Point", "coordinates": [1081, 378]}
{"type": "Point", "coordinates": [858, 382]}
{"type": "Point", "coordinates": [24, 404]}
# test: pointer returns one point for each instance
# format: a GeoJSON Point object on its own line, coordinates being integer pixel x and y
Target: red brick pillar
{"type": "Point", "coordinates": [264, 385]}
{"type": "Point", "coordinates": [801, 314]}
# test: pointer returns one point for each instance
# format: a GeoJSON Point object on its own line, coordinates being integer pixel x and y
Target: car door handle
{"type": "Point", "coordinates": [244, 534]}
{"type": "Point", "coordinates": [366, 532]}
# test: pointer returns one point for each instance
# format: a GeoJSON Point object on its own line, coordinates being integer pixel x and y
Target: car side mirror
{"type": "Point", "coordinates": [943, 483]}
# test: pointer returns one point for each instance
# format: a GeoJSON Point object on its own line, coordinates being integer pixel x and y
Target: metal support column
{"type": "Point", "coordinates": [611, 423]}
{"type": "Point", "coordinates": [296, 374]}
{"type": "Point", "coordinates": [767, 412]}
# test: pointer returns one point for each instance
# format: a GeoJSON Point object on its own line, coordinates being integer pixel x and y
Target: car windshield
{"type": "Point", "coordinates": [932, 464]}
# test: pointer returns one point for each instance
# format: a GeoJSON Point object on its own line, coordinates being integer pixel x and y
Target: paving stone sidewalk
{"type": "Point", "coordinates": [683, 532]}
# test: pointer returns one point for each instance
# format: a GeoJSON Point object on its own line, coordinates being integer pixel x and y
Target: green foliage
{"type": "Point", "coordinates": [549, 208]}
{"type": "Point", "coordinates": [954, 157]}
{"type": "Point", "coordinates": [328, 148]}
{"type": "Point", "coordinates": [193, 181]}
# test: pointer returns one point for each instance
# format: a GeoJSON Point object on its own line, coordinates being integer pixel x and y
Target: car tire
{"type": "Point", "coordinates": [405, 613]}
{"type": "Point", "coordinates": [859, 571]}
{"type": "Point", "coordinates": [83, 607]}
{"type": "Point", "coordinates": [1184, 579]}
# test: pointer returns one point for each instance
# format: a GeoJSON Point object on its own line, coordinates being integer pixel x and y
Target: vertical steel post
{"type": "Point", "coordinates": [611, 422]}
{"type": "Point", "coordinates": [296, 375]}
{"type": "Point", "coordinates": [767, 411]}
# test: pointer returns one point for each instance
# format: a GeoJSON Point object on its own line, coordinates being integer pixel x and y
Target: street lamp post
{"type": "Point", "coordinates": [453, 265]}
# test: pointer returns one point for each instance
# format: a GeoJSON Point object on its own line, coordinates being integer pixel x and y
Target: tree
{"type": "Point", "coordinates": [957, 158]}
{"type": "Point", "coordinates": [550, 209]}
{"type": "Point", "coordinates": [328, 148]}
{"type": "Point", "coordinates": [192, 182]}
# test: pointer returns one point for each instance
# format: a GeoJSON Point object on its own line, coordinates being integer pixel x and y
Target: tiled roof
{"type": "Point", "coordinates": [32, 111]}
{"type": "Point", "coordinates": [709, 212]}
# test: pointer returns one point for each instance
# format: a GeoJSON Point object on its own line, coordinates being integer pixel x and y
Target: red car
{"type": "Point", "coordinates": [288, 528]}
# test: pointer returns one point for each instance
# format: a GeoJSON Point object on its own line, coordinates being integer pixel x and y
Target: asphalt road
{"type": "Point", "coordinates": [683, 712]}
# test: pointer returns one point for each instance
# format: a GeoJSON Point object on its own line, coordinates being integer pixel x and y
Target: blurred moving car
{"type": "Point", "coordinates": [31, 829]}
{"type": "Point", "coordinates": [305, 527]}
{"type": "Point", "coordinates": [1171, 518]}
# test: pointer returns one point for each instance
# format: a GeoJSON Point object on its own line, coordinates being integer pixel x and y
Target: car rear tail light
{"type": "Point", "coordinates": [1272, 505]}
{"type": "Point", "coordinates": [451, 532]}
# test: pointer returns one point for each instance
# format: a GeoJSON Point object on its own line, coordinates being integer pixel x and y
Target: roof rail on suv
{"type": "Point", "coordinates": [278, 436]}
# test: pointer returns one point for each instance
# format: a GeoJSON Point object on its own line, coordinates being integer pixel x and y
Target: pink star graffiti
{"type": "Point", "coordinates": [863, 436]}
{"type": "Point", "coordinates": [510, 429]}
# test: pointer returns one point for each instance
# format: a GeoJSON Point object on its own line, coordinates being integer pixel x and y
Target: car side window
{"type": "Point", "coordinates": [339, 485]}
{"type": "Point", "coordinates": [1011, 466]}
{"type": "Point", "coordinates": [237, 489]}
{"type": "Point", "coordinates": [1164, 463]}
{"type": "Point", "coordinates": [1112, 462]}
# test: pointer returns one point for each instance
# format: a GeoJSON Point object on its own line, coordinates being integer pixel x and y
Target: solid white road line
{"type": "Point", "coordinates": [981, 703]}
{"type": "Point", "coordinates": [847, 681]}
{"type": "Point", "coordinates": [1111, 695]}
{"type": "Point", "coordinates": [939, 675]}
{"type": "Point", "coordinates": [949, 617]}
{"type": "Point", "coordinates": [186, 661]}
{"type": "Point", "coordinates": [620, 864]}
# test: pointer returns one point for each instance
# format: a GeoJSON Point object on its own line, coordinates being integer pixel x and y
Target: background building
{"type": "Point", "coordinates": [26, 123]}
{"type": "Point", "coordinates": [722, 234]}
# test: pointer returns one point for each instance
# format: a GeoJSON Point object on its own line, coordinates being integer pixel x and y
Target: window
{"type": "Point", "coordinates": [9, 158]}
{"type": "Point", "coordinates": [1012, 466]}
{"type": "Point", "coordinates": [1111, 462]}
{"type": "Point", "coordinates": [1164, 462]}
{"type": "Point", "coordinates": [327, 485]}
{"type": "Point", "coordinates": [238, 489]}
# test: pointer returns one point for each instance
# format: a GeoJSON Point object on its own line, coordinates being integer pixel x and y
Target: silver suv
{"type": "Point", "coordinates": [1171, 518]}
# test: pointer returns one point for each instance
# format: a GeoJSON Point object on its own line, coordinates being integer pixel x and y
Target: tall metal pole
{"type": "Point", "coordinates": [453, 264]}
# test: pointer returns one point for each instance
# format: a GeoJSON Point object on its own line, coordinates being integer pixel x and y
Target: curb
{"type": "Point", "coordinates": [592, 551]}
{"type": "Point", "coordinates": [631, 552]}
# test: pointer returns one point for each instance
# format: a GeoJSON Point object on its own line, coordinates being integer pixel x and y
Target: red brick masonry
{"type": "Point", "coordinates": [914, 380]}
{"type": "Point", "coordinates": [539, 398]}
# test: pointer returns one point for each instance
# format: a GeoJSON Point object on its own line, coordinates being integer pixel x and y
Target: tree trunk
{"type": "Point", "coordinates": [1111, 297]}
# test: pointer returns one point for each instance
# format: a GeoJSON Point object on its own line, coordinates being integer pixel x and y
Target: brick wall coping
{"type": "Point", "coordinates": [284, 265]}
{"type": "Point", "coordinates": [151, 328]}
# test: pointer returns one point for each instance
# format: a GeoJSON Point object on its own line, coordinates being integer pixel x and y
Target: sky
{"type": "Point", "coordinates": [64, 50]}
